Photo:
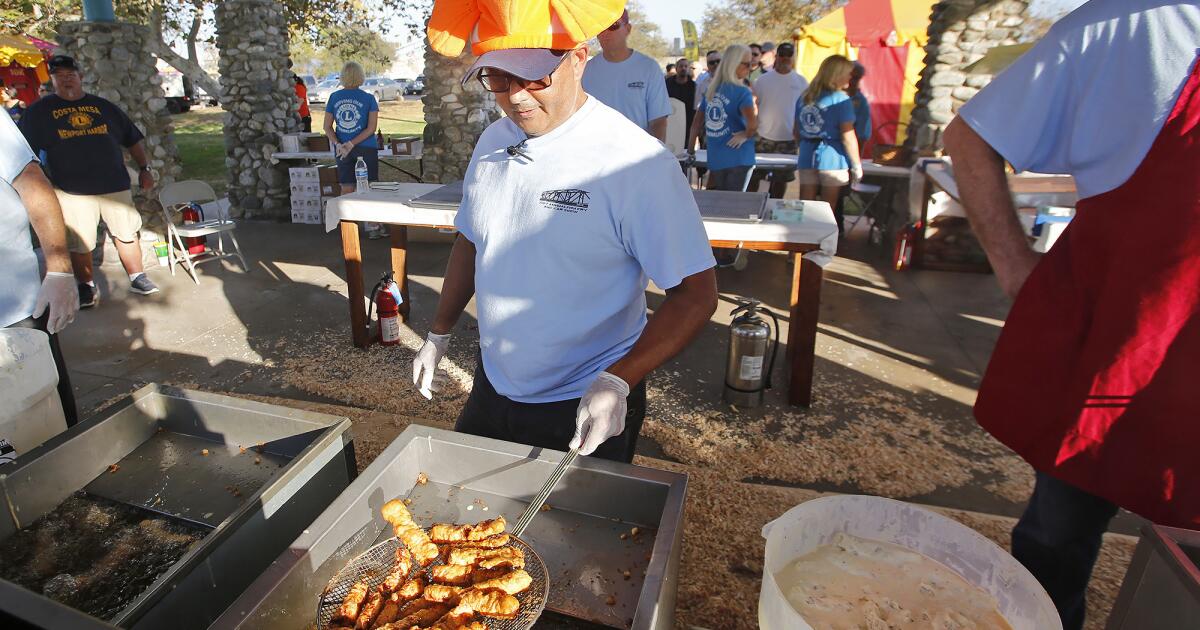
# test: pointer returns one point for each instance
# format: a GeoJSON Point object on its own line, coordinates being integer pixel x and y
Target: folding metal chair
{"type": "Point", "coordinates": [178, 194]}
{"type": "Point", "coordinates": [865, 196]}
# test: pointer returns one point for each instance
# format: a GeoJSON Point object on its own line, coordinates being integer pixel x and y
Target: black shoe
{"type": "Point", "coordinates": [88, 295]}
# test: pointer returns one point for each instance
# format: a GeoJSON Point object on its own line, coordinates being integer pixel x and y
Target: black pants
{"type": "Point", "coordinates": [306, 124]}
{"type": "Point", "coordinates": [65, 393]}
{"type": "Point", "coordinates": [1058, 539]}
{"type": "Point", "coordinates": [839, 210]}
{"type": "Point", "coordinates": [547, 425]}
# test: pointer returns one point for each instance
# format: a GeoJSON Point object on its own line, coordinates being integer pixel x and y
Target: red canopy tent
{"type": "Point", "coordinates": [23, 64]}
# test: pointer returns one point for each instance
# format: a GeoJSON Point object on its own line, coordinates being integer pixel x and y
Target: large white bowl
{"type": "Point", "coordinates": [1023, 602]}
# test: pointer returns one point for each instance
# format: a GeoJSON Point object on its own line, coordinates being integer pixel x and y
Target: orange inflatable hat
{"type": "Point", "coordinates": [500, 24]}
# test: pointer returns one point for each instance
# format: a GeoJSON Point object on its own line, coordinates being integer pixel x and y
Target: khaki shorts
{"type": "Point", "coordinates": [82, 213]}
{"type": "Point", "coordinates": [813, 177]}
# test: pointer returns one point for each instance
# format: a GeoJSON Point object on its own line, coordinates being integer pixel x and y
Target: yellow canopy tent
{"type": "Point", "coordinates": [23, 64]}
{"type": "Point", "coordinates": [888, 37]}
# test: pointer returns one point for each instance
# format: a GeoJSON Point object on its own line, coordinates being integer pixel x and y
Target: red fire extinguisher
{"type": "Point", "coordinates": [386, 299]}
{"type": "Point", "coordinates": [902, 257]}
{"type": "Point", "coordinates": [191, 214]}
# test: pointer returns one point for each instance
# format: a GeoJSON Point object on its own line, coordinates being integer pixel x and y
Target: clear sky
{"type": "Point", "coordinates": [668, 13]}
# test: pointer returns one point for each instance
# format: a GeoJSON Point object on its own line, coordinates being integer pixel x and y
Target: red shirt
{"type": "Point", "coordinates": [302, 94]}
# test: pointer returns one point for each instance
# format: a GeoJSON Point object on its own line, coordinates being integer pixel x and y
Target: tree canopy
{"type": "Point", "coordinates": [746, 21]}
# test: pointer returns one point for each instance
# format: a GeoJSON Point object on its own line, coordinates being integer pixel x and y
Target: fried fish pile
{"type": "Point", "coordinates": [479, 579]}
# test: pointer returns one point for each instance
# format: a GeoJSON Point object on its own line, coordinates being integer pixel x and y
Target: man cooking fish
{"type": "Point", "coordinates": [567, 209]}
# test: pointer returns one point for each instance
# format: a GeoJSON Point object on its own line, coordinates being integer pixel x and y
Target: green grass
{"type": "Point", "coordinates": [201, 142]}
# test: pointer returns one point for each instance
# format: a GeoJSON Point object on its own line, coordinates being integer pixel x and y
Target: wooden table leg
{"type": "Point", "coordinates": [802, 329]}
{"type": "Point", "coordinates": [400, 266]}
{"type": "Point", "coordinates": [352, 252]}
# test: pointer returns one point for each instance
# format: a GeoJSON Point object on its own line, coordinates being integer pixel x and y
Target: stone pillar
{"type": "Point", "coordinates": [117, 65]}
{"type": "Point", "coordinates": [960, 33]}
{"type": "Point", "coordinates": [455, 115]}
{"type": "Point", "coordinates": [260, 104]}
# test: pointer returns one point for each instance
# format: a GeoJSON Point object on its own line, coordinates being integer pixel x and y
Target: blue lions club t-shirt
{"type": "Point", "coordinates": [822, 121]}
{"type": "Point", "coordinates": [723, 118]}
{"type": "Point", "coordinates": [351, 110]}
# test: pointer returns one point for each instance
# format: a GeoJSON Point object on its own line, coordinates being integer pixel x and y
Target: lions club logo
{"type": "Point", "coordinates": [811, 121]}
{"type": "Point", "coordinates": [715, 117]}
{"type": "Point", "coordinates": [80, 120]}
{"type": "Point", "coordinates": [348, 116]}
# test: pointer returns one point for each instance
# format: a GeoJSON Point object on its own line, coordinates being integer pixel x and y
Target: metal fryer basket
{"type": "Point", "coordinates": [373, 564]}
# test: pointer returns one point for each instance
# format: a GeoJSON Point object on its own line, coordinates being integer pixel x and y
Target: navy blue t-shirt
{"type": "Point", "coordinates": [82, 140]}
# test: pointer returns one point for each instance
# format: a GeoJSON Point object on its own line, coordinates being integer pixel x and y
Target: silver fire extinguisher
{"type": "Point", "coordinates": [747, 367]}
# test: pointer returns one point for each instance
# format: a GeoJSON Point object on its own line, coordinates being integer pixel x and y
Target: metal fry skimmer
{"type": "Point", "coordinates": [373, 564]}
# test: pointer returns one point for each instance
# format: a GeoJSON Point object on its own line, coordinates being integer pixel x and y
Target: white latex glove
{"type": "Point", "coordinates": [601, 413]}
{"type": "Point", "coordinates": [426, 362]}
{"type": "Point", "coordinates": [856, 173]}
{"type": "Point", "coordinates": [59, 294]}
{"type": "Point", "coordinates": [342, 149]}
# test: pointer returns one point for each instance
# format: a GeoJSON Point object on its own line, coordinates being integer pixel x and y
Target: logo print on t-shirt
{"type": "Point", "coordinates": [571, 200]}
{"type": "Point", "coordinates": [348, 116]}
{"type": "Point", "coordinates": [80, 120]}
{"type": "Point", "coordinates": [715, 117]}
{"type": "Point", "coordinates": [637, 85]}
{"type": "Point", "coordinates": [811, 121]}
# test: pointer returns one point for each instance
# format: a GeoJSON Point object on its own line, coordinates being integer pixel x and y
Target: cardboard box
{"type": "Point", "coordinates": [328, 178]}
{"type": "Point", "coordinates": [317, 143]}
{"type": "Point", "coordinates": [305, 190]}
{"type": "Point", "coordinates": [303, 174]}
{"type": "Point", "coordinates": [409, 145]}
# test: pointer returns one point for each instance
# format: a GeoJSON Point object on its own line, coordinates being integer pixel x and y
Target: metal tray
{"type": "Point", "coordinates": [471, 479]}
{"type": "Point", "coordinates": [317, 463]}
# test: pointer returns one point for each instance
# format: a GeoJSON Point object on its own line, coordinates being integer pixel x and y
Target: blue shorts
{"type": "Point", "coordinates": [345, 167]}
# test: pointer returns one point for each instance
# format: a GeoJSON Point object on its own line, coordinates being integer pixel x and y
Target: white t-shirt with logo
{"type": "Point", "coordinates": [777, 95]}
{"type": "Point", "coordinates": [19, 277]}
{"type": "Point", "coordinates": [565, 242]}
{"type": "Point", "coordinates": [1092, 96]}
{"type": "Point", "coordinates": [634, 87]}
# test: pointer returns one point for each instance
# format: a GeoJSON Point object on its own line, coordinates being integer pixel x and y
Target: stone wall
{"type": "Point", "coordinates": [117, 65]}
{"type": "Point", "coordinates": [960, 33]}
{"type": "Point", "coordinates": [260, 104]}
{"type": "Point", "coordinates": [455, 115]}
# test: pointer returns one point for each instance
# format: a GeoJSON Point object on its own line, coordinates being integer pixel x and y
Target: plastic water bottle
{"type": "Point", "coordinates": [360, 176]}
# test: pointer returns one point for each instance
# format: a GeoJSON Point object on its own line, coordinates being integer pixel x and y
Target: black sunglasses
{"type": "Point", "coordinates": [617, 25]}
{"type": "Point", "coordinates": [713, 62]}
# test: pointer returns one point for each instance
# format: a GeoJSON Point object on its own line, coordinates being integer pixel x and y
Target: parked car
{"type": "Point", "coordinates": [383, 88]}
{"type": "Point", "coordinates": [416, 86]}
{"type": "Point", "coordinates": [320, 93]}
{"type": "Point", "coordinates": [310, 81]}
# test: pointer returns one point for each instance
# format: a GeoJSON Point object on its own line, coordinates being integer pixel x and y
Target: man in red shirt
{"type": "Point", "coordinates": [305, 113]}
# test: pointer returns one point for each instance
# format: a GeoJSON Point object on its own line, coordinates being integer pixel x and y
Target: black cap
{"type": "Point", "coordinates": [62, 62]}
{"type": "Point", "coordinates": [785, 50]}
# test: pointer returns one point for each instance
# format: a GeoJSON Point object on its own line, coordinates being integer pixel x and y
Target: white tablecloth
{"type": "Point", "coordinates": [328, 155]}
{"type": "Point", "coordinates": [785, 160]}
{"type": "Point", "coordinates": [380, 206]}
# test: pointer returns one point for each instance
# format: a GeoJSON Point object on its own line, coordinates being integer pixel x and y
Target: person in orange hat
{"type": "Point", "coordinates": [568, 207]}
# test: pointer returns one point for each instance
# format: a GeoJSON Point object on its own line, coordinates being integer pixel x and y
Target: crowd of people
{"type": "Point", "coordinates": [751, 100]}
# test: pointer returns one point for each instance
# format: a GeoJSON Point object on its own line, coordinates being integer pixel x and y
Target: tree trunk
{"type": "Point", "coordinates": [188, 66]}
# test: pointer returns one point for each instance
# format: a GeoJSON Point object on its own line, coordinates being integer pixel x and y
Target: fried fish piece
{"type": "Point", "coordinates": [441, 593]}
{"type": "Point", "coordinates": [481, 574]}
{"type": "Point", "coordinates": [512, 582]}
{"type": "Point", "coordinates": [422, 618]}
{"type": "Point", "coordinates": [419, 604]}
{"type": "Point", "coordinates": [458, 617]}
{"type": "Point", "coordinates": [370, 610]}
{"type": "Point", "coordinates": [399, 571]}
{"type": "Point", "coordinates": [446, 533]}
{"type": "Point", "coordinates": [417, 541]}
{"type": "Point", "coordinates": [452, 574]}
{"type": "Point", "coordinates": [486, 558]}
{"type": "Point", "coordinates": [491, 542]}
{"type": "Point", "coordinates": [396, 600]}
{"type": "Point", "coordinates": [347, 613]}
{"type": "Point", "coordinates": [491, 602]}
{"type": "Point", "coordinates": [396, 514]}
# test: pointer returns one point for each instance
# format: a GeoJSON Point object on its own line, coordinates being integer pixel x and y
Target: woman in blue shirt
{"type": "Point", "coordinates": [829, 154]}
{"type": "Point", "coordinates": [351, 117]}
{"type": "Point", "coordinates": [729, 121]}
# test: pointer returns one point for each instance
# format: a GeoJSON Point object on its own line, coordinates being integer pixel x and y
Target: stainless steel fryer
{"type": "Point", "coordinates": [584, 538]}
